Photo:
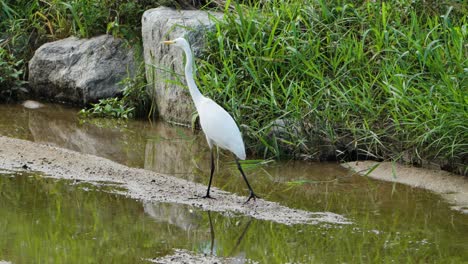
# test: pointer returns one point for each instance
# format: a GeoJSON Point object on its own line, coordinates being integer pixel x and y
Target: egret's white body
{"type": "Point", "coordinates": [219, 127]}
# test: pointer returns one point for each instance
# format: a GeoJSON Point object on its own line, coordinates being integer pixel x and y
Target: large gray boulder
{"type": "Point", "coordinates": [80, 71]}
{"type": "Point", "coordinates": [165, 65]}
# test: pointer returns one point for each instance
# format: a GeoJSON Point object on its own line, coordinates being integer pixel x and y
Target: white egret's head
{"type": "Point", "coordinates": [178, 42]}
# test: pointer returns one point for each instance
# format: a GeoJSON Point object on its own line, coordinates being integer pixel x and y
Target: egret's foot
{"type": "Point", "coordinates": [203, 197]}
{"type": "Point", "coordinates": [207, 196]}
{"type": "Point", "coordinates": [252, 196]}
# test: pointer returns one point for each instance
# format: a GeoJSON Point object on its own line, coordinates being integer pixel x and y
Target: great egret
{"type": "Point", "coordinates": [219, 127]}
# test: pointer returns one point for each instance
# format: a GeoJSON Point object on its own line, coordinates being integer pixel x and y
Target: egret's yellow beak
{"type": "Point", "coordinates": [168, 42]}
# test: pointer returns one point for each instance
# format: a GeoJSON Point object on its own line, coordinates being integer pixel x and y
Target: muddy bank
{"type": "Point", "coordinates": [453, 188]}
{"type": "Point", "coordinates": [145, 185]}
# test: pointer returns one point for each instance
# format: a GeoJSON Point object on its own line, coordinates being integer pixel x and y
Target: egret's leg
{"type": "Point", "coordinates": [211, 175]}
{"type": "Point", "coordinates": [252, 194]}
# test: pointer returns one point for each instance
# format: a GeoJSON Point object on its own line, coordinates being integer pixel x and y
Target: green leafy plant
{"type": "Point", "coordinates": [134, 102]}
{"type": "Point", "coordinates": [10, 76]}
{"type": "Point", "coordinates": [110, 107]}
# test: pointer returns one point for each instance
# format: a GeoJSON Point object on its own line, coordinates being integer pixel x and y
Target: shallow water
{"type": "Point", "coordinates": [57, 221]}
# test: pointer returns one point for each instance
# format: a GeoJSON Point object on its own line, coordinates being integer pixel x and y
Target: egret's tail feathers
{"type": "Point", "coordinates": [240, 154]}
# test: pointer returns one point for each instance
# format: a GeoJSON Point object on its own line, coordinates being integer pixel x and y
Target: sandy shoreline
{"type": "Point", "coordinates": [453, 188]}
{"type": "Point", "coordinates": [16, 154]}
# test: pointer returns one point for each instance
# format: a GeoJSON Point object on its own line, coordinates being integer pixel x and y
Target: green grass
{"type": "Point", "coordinates": [378, 80]}
{"type": "Point", "coordinates": [315, 80]}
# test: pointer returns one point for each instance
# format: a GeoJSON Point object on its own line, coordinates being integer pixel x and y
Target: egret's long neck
{"type": "Point", "coordinates": [194, 92]}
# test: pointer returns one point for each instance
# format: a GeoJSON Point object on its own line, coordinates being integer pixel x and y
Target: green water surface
{"type": "Point", "coordinates": [45, 220]}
